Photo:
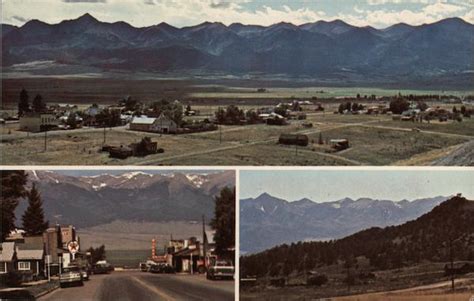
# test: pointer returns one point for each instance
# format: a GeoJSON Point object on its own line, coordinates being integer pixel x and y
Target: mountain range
{"type": "Point", "coordinates": [325, 50]}
{"type": "Point", "coordinates": [444, 233]}
{"type": "Point", "coordinates": [86, 201]}
{"type": "Point", "coordinates": [267, 221]}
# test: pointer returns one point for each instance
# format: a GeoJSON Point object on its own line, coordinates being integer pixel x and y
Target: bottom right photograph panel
{"type": "Point", "coordinates": [356, 234]}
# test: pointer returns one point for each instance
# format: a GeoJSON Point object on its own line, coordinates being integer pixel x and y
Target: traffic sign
{"type": "Point", "coordinates": [73, 247]}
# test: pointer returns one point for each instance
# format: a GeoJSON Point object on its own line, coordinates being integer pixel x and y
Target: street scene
{"type": "Point", "coordinates": [174, 241]}
{"type": "Point", "coordinates": [135, 285]}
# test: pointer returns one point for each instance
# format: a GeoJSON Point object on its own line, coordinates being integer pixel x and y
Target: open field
{"type": "Point", "coordinates": [375, 140]}
{"type": "Point", "coordinates": [420, 283]}
{"type": "Point", "coordinates": [125, 235]}
{"type": "Point", "coordinates": [196, 91]}
{"type": "Point", "coordinates": [127, 258]}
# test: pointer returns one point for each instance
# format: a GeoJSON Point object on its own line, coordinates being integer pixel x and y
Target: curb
{"type": "Point", "coordinates": [46, 292]}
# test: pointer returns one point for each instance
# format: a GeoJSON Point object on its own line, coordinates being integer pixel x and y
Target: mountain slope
{"type": "Point", "coordinates": [428, 238]}
{"type": "Point", "coordinates": [321, 49]}
{"type": "Point", "coordinates": [268, 221]}
{"type": "Point", "coordinates": [132, 196]}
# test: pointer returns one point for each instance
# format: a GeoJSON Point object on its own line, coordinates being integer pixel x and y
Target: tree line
{"type": "Point", "coordinates": [432, 237]}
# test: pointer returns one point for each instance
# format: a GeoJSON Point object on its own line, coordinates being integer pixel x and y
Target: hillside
{"type": "Point", "coordinates": [325, 50]}
{"type": "Point", "coordinates": [426, 239]}
{"type": "Point", "coordinates": [86, 201]}
{"type": "Point", "coordinates": [267, 221]}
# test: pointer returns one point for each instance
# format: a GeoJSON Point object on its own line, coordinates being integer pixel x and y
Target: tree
{"type": "Point", "coordinates": [108, 118]}
{"type": "Point", "coordinates": [252, 116]}
{"type": "Point", "coordinates": [399, 105]}
{"type": "Point", "coordinates": [97, 253]}
{"type": "Point", "coordinates": [72, 121]}
{"type": "Point", "coordinates": [33, 218]}
{"type": "Point", "coordinates": [282, 110]}
{"type": "Point", "coordinates": [455, 110]}
{"type": "Point", "coordinates": [38, 104]}
{"type": "Point", "coordinates": [224, 220]}
{"type": "Point", "coordinates": [130, 103]}
{"type": "Point", "coordinates": [355, 107]}
{"type": "Point", "coordinates": [23, 105]}
{"type": "Point", "coordinates": [341, 108]}
{"type": "Point", "coordinates": [12, 188]}
{"type": "Point", "coordinates": [422, 106]}
{"type": "Point", "coordinates": [172, 110]}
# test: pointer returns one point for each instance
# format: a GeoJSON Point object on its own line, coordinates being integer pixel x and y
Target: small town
{"type": "Point", "coordinates": [39, 261]}
{"type": "Point", "coordinates": [323, 131]}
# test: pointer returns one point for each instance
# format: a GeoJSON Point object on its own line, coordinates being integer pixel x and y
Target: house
{"type": "Point", "coordinates": [7, 257]}
{"type": "Point", "coordinates": [64, 107]}
{"type": "Point", "coordinates": [30, 255]}
{"type": "Point", "coordinates": [36, 122]}
{"type": "Point", "coordinates": [164, 124]}
{"type": "Point", "coordinates": [339, 144]}
{"type": "Point", "coordinates": [186, 258]}
{"type": "Point", "coordinates": [142, 123]}
{"type": "Point", "coordinates": [293, 139]}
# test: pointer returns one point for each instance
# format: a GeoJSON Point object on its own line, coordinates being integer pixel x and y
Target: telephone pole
{"type": "Point", "coordinates": [103, 143]}
{"type": "Point", "coordinates": [451, 258]}
{"type": "Point", "coordinates": [45, 139]}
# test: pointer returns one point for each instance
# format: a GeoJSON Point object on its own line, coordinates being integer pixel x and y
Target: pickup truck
{"type": "Point", "coordinates": [220, 270]}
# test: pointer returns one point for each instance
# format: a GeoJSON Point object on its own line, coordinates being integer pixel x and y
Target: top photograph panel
{"type": "Point", "coordinates": [210, 82]}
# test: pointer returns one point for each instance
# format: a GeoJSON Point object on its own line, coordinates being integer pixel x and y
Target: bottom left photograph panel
{"type": "Point", "coordinates": [108, 234]}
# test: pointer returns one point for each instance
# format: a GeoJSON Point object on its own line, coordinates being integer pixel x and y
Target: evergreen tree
{"type": "Point", "coordinates": [23, 105]}
{"type": "Point", "coordinates": [224, 220]}
{"type": "Point", "coordinates": [12, 188]}
{"type": "Point", "coordinates": [33, 218]}
{"type": "Point", "coordinates": [97, 254]}
{"type": "Point", "coordinates": [38, 104]}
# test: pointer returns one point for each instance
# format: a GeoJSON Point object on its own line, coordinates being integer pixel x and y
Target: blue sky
{"type": "Point", "coordinates": [377, 13]}
{"type": "Point", "coordinates": [332, 185]}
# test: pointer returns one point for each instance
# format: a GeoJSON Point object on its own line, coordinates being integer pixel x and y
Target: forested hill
{"type": "Point", "coordinates": [427, 238]}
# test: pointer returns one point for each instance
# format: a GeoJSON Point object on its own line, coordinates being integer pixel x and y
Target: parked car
{"type": "Point", "coordinates": [71, 275]}
{"type": "Point", "coordinates": [85, 274]}
{"type": "Point", "coordinates": [102, 268]}
{"type": "Point", "coordinates": [16, 294]}
{"type": "Point", "coordinates": [143, 267]}
{"type": "Point", "coordinates": [162, 269]}
{"type": "Point", "coordinates": [220, 270]}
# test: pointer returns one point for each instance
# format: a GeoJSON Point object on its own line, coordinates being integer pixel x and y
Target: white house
{"type": "Point", "coordinates": [7, 257]}
{"type": "Point", "coordinates": [165, 125]}
{"type": "Point", "coordinates": [34, 122]}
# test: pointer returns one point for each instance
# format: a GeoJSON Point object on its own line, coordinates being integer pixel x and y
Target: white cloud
{"type": "Point", "coordinates": [190, 12]}
{"type": "Point", "coordinates": [440, 8]}
{"type": "Point", "coordinates": [384, 2]}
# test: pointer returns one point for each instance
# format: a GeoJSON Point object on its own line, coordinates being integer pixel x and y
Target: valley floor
{"type": "Point", "coordinates": [420, 283]}
{"type": "Point", "coordinates": [375, 140]}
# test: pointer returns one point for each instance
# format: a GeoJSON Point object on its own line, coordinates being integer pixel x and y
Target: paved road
{"type": "Point", "coordinates": [124, 286]}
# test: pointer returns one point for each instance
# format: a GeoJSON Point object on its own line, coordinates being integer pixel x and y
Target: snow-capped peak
{"type": "Point", "coordinates": [197, 180]}
{"type": "Point", "coordinates": [133, 174]}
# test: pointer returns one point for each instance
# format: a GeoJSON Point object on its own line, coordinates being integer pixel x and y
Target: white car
{"type": "Point", "coordinates": [71, 276]}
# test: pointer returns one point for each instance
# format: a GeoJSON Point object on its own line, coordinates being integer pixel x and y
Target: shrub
{"type": "Point", "coordinates": [317, 280]}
